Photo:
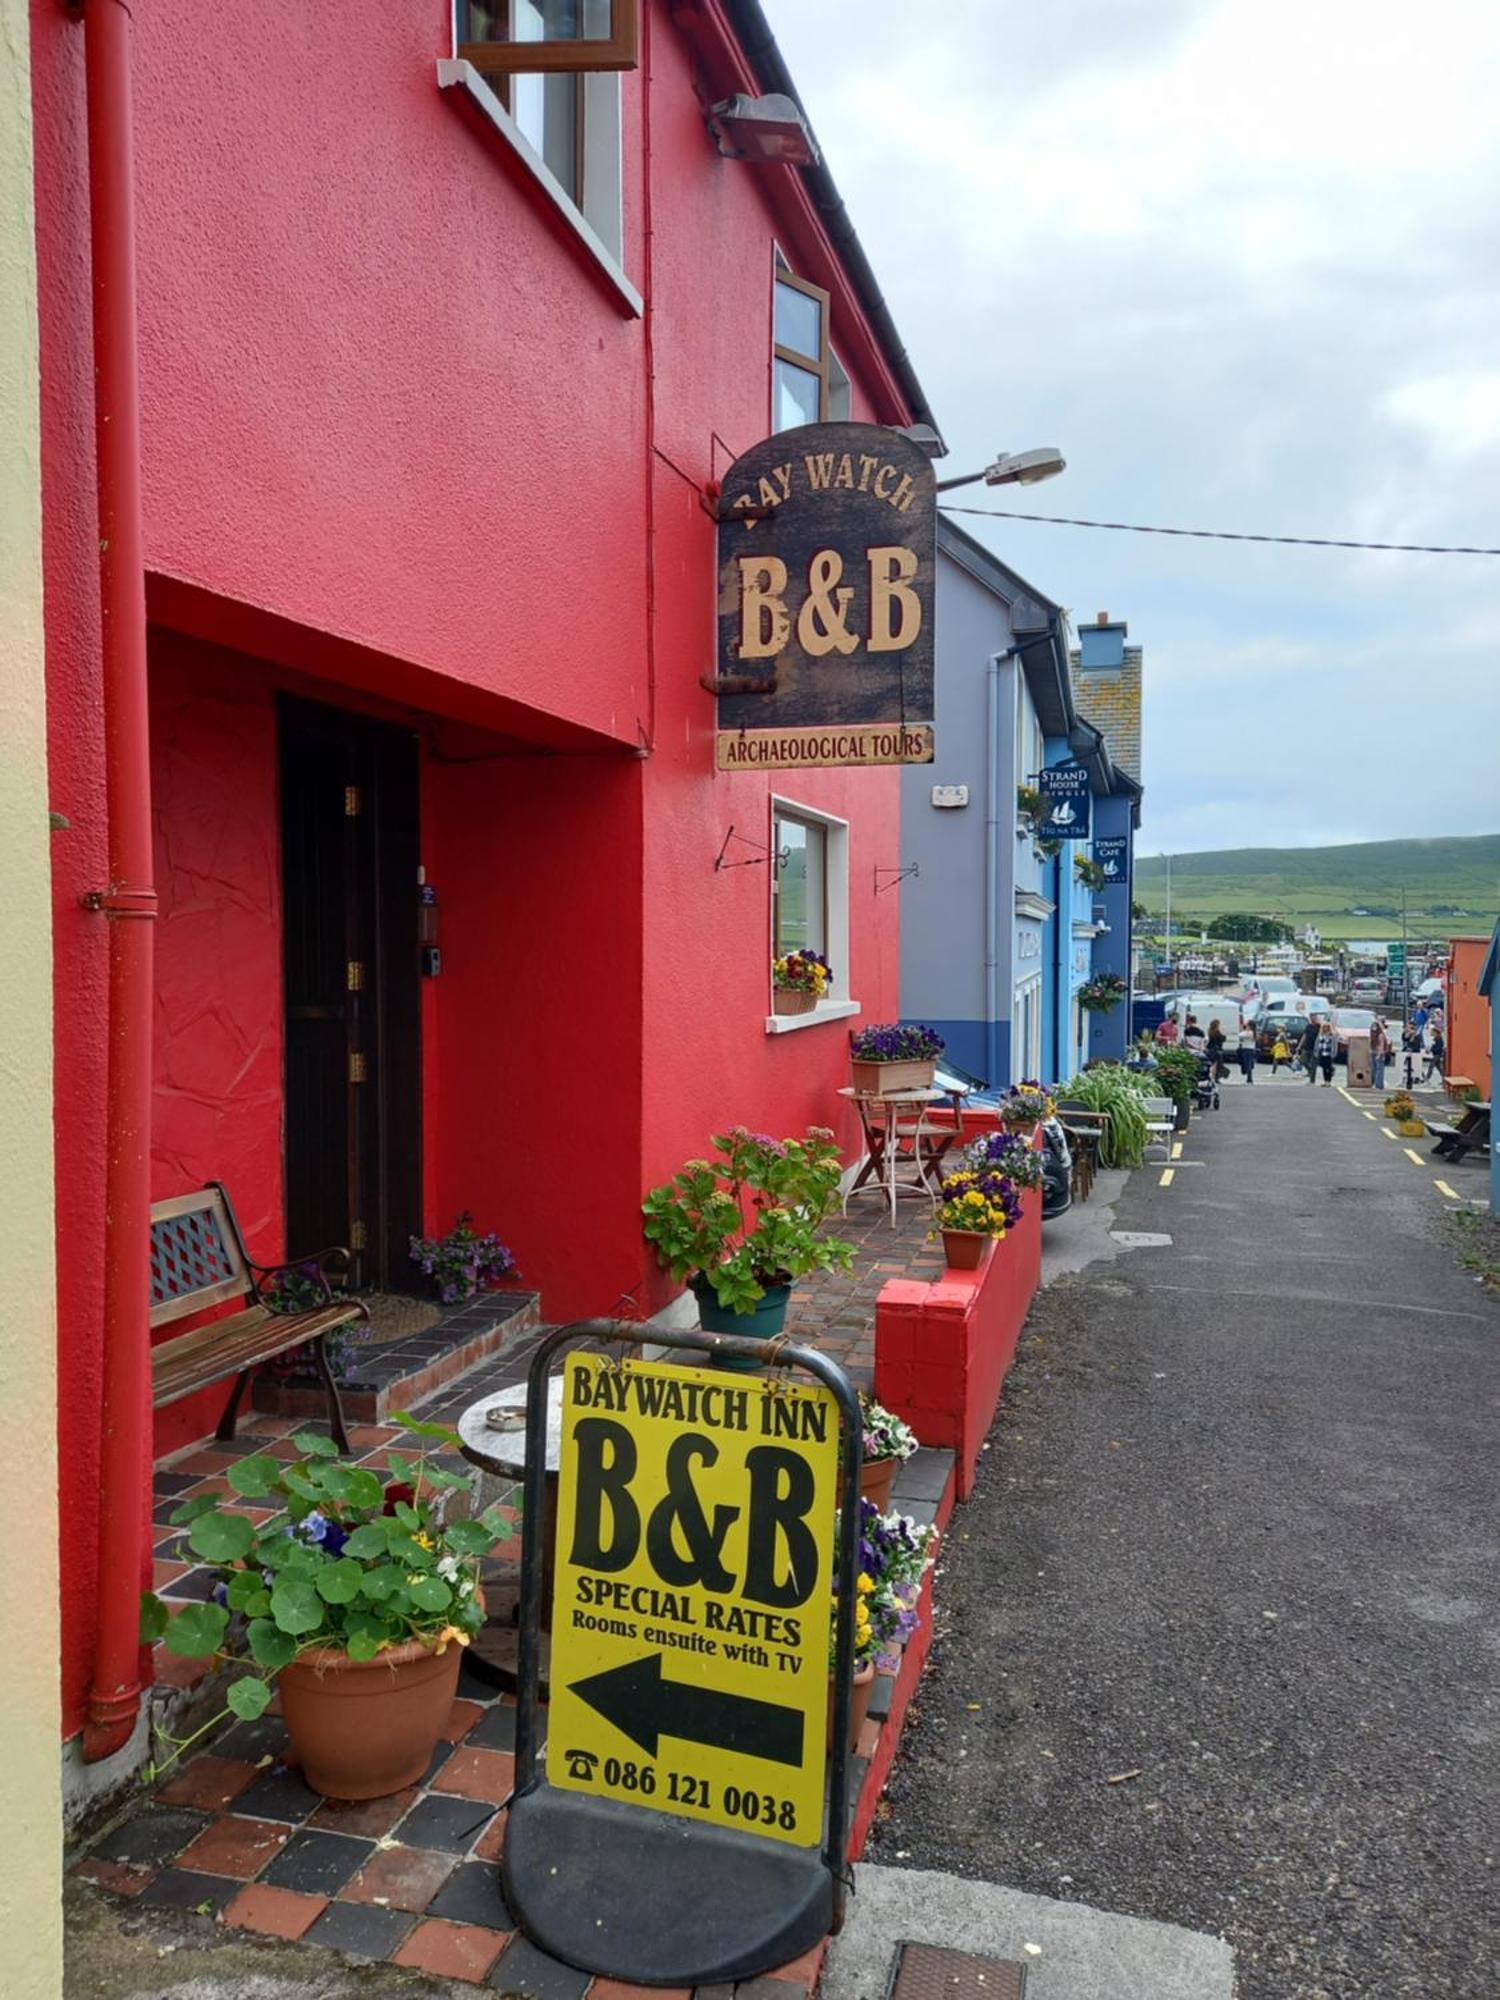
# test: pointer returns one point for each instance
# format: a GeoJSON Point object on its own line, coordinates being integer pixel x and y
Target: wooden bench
{"type": "Point", "coordinates": [1456, 1142]}
{"type": "Point", "coordinates": [198, 1260]}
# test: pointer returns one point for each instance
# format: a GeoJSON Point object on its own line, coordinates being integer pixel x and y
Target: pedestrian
{"type": "Point", "coordinates": [1437, 1049]}
{"type": "Point", "coordinates": [1380, 1051]}
{"type": "Point", "coordinates": [1192, 1034]}
{"type": "Point", "coordinates": [1280, 1053]}
{"type": "Point", "coordinates": [1215, 1046]}
{"type": "Point", "coordinates": [1246, 1051]}
{"type": "Point", "coordinates": [1326, 1047]}
{"type": "Point", "coordinates": [1419, 1017]}
{"type": "Point", "coordinates": [1308, 1049]}
{"type": "Point", "coordinates": [1166, 1034]}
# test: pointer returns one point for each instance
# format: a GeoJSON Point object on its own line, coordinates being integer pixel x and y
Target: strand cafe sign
{"type": "Point", "coordinates": [827, 561]}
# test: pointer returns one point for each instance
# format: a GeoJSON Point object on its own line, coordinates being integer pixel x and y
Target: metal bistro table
{"type": "Point", "coordinates": [891, 1119]}
{"type": "Point", "coordinates": [492, 1435]}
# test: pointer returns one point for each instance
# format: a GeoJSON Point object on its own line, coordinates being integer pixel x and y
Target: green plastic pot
{"type": "Point", "coordinates": [764, 1321]}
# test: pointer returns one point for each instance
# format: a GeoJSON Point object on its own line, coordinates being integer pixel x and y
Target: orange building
{"type": "Point", "coordinates": [1468, 1012]}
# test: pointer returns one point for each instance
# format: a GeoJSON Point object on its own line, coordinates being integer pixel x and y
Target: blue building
{"type": "Point", "coordinates": [998, 936]}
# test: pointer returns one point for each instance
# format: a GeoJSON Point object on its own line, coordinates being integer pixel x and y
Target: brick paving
{"type": "Point", "coordinates": [834, 1311]}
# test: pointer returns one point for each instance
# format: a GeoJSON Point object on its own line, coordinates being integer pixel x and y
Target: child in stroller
{"type": "Point", "coordinates": [1206, 1089]}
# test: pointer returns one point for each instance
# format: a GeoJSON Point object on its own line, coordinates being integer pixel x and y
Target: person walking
{"type": "Point", "coordinates": [1192, 1034]}
{"type": "Point", "coordinates": [1246, 1051]}
{"type": "Point", "coordinates": [1280, 1053]}
{"type": "Point", "coordinates": [1215, 1047]}
{"type": "Point", "coordinates": [1325, 1048]}
{"type": "Point", "coordinates": [1166, 1034]}
{"type": "Point", "coordinates": [1380, 1052]}
{"type": "Point", "coordinates": [1308, 1049]}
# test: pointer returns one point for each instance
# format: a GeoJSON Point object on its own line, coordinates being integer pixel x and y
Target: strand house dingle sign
{"type": "Point", "coordinates": [827, 554]}
{"type": "Point", "coordinates": [1065, 801]}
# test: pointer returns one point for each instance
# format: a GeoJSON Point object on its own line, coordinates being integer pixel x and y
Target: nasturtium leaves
{"type": "Point", "coordinates": [379, 1583]}
{"type": "Point", "coordinates": [245, 1592]}
{"type": "Point", "coordinates": [446, 1481]}
{"type": "Point", "coordinates": [252, 1478]}
{"type": "Point", "coordinates": [407, 1550]}
{"type": "Point", "coordinates": [313, 1444]}
{"type": "Point", "coordinates": [408, 1516]}
{"type": "Point", "coordinates": [365, 1489]}
{"type": "Point", "coordinates": [468, 1538]}
{"type": "Point", "coordinates": [362, 1645]}
{"type": "Point", "coordinates": [221, 1538]}
{"type": "Point", "coordinates": [189, 1510]}
{"type": "Point", "coordinates": [417, 1427]}
{"type": "Point", "coordinates": [302, 1483]}
{"type": "Point", "coordinates": [296, 1605]}
{"type": "Point", "coordinates": [430, 1593]}
{"type": "Point", "coordinates": [248, 1698]}
{"type": "Point", "coordinates": [197, 1630]}
{"type": "Point", "coordinates": [154, 1616]}
{"type": "Point", "coordinates": [403, 1472]}
{"type": "Point", "coordinates": [269, 1645]}
{"type": "Point", "coordinates": [340, 1582]}
{"type": "Point", "coordinates": [368, 1541]}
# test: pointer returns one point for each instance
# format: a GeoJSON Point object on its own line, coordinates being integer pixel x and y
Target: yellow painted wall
{"type": "Point", "coordinates": [30, 1801]}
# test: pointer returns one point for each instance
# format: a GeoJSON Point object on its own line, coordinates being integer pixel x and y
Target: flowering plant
{"type": "Point", "coordinates": [894, 1555]}
{"type": "Point", "coordinates": [983, 1204]}
{"type": "Point", "coordinates": [462, 1262]}
{"type": "Point", "coordinates": [802, 972]}
{"type": "Point", "coordinates": [1101, 994]}
{"type": "Point", "coordinates": [297, 1288]}
{"type": "Point", "coordinates": [885, 1434]}
{"type": "Point", "coordinates": [896, 1041]}
{"type": "Point", "coordinates": [1400, 1104]}
{"type": "Point", "coordinates": [1026, 1103]}
{"type": "Point", "coordinates": [327, 1554]}
{"type": "Point", "coordinates": [1005, 1153]}
{"type": "Point", "coordinates": [750, 1218]}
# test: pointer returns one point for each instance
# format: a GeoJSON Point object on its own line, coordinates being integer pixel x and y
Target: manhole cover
{"type": "Point", "coordinates": [932, 1972]}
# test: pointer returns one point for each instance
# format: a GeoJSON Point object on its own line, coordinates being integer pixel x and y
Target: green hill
{"type": "Point", "coordinates": [1452, 885]}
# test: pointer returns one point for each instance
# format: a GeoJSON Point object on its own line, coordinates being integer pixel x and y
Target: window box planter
{"type": "Point", "coordinates": [793, 1003]}
{"type": "Point", "coordinates": [879, 1078]}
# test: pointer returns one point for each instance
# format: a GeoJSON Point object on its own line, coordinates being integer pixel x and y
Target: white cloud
{"type": "Point", "coordinates": [1240, 262]}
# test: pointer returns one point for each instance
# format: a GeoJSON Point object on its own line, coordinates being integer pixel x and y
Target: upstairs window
{"type": "Point", "coordinates": [799, 886]}
{"type": "Point", "coordinates": [799, 374]}
{"type": "Point", "coordinates": [500, 36]}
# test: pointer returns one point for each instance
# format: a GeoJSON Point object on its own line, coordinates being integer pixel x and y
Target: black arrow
{"type": "Point", "coordinates": [644, 1707]}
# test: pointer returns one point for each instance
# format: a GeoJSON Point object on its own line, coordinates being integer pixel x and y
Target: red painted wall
{"type": "Point", "coordinates": [400, 436]}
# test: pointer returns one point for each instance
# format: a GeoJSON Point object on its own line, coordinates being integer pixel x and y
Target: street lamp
{"type": "Point", "coordinates": [1014, 468]}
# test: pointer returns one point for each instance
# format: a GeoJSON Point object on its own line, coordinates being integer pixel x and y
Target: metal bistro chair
{"type": "Point", "coordinates": [903, 1130]}
{"type": "Point", "coordinates": [1085, 1128]}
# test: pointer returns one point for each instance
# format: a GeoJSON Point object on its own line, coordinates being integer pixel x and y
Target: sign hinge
{"type": "Point", "coordinates": [354, 975]}
{"type": "Point", "coordinates": [352, 802]}
{"type": "Point", "coordinates": [359, 1238]}
{"type": "Point", "coordinates": [358, 1068]}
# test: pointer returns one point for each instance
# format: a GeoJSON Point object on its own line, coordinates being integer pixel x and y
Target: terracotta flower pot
{"type": "Point", "coordinates": [859, 1702]}
{"type": "Point", "coordinates": [366, 1728]}
{"type": "Point", "coordinates": [785, 1001]}
{"type": "Point", "coordinates": [964, 1249]}
{"type": "Point", "coordinates": [877, 1477]}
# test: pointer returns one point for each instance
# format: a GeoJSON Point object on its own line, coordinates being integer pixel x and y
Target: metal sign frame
{"type": "Point", "coordinates": [699, 1928]}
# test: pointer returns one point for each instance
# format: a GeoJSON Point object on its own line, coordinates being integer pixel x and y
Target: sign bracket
{"type": "Point", "coordinates": [910, 872]}
{"type": "Point", "coordinates": [634, 1894]}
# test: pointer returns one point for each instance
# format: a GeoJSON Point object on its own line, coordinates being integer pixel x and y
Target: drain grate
{"type": "Point", "coordinates": [932, 1972]}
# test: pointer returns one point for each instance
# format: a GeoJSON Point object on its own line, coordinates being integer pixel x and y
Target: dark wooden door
{"type": "Point", "coordinates": [353, 1018]}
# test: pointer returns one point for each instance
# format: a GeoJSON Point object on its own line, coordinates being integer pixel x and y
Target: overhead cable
{"type": "Point", "coordinates": [1226, 534]}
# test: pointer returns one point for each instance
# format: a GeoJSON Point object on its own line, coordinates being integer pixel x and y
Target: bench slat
{"type": "Point", "coordinates": [222, 1348]}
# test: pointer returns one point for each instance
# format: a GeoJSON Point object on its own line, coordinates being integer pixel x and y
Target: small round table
{"type": "Point", "coordinates": [500, 1448]}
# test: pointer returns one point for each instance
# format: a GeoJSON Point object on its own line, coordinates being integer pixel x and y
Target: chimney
{"type": "Point", "coordinates": [1101, 617]}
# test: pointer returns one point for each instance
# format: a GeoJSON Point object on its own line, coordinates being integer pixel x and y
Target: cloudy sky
{"type": "Point", "coordinates": [1240, 260]}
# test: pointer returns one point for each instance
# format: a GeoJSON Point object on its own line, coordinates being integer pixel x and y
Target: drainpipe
{"type": "Point", "coordinates": [992, 874]}
{"type": "Point", "coordinates": [128, 903]}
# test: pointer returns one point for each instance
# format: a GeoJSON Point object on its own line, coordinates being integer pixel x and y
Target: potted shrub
{"type": "Point", "coordinates": [1400, 1105]}
{"type": "Point", "coordinates": [888, 1442]}
{"type": "Point", "coordinates": [1008, 1153]}
{"type": "Point", "coordinates": [462, 1263]}
{"type": "Point", "coordinates": [892, 1056]}
{"type": "Point", "coordinates": [740, 1228]}
{"type": "Point", "coordinates": [1411, 1128]}
{"type": "Point", "coordinates": [1177, 1070]}
{"type": "Point", "coordinates": [799, 981]}
{"type": "Point", "coordinates": [894, 1556]}
{"type": "Point", "coordinates": [1031, 816]}
{"type": "Point", "coordinates": [975, 1209]}
{"type": "Point", "coordinates": [1025, 1105]}
{"type": "Point", "coordinates": [355, 1596]}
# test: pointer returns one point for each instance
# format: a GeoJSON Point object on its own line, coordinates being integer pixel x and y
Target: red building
{"type": "Point", "coordinates": [432, 399]}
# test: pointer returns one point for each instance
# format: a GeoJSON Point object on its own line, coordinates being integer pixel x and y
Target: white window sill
{"type": "Point", "coordinates": [455, 74]}
{"type": "Point", "coordinates": [826, 1010]}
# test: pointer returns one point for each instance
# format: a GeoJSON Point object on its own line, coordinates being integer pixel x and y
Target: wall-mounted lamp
{"type": "Point", "coordinates": [768, 131]}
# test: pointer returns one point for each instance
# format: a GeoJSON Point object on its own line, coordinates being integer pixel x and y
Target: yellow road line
{"type": "Point", "coordinates": [1414, 1156]}
{"type": "Point", "coordinates": [1167, 1174]}
{"type": "Point", "coordinates": [1176, 1149]}
{"type": "Point", "coordinates": [1372, 1118]}
{"type": "Point", "coordinates": [1345, 1094]}
{"type": "Point", "coordinates": [1443, 1188]}
{"type": "Point", "coordinates": [1386, 1132]}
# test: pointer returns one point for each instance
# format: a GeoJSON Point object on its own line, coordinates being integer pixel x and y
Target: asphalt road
{"type": "Point", "coordinates": [1234, 1545]}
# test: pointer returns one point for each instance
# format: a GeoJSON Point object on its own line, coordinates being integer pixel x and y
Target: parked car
{"type": "Point", "coordinates": [1349, 1021]}
{"type": "Point", "coordinates": [1367, 993]}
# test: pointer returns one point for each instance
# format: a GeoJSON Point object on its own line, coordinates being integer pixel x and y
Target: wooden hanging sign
{"type": "Point", "coordinates": [827, 573]}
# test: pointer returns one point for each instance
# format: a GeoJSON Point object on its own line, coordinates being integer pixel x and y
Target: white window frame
{"type": "Point", "coordinates": [1026, 1004]}
{"type": "Point", "coordinates": [598, 224]}
{"type": "Point", "coordinates": [836, 1004]}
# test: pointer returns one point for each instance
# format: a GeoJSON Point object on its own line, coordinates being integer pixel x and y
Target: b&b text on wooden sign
{"type": "Point", "coordinates": [826, 577]}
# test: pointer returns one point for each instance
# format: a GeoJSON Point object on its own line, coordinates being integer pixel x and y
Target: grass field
{"type": "Point", "coordinates": [1452, 886]}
